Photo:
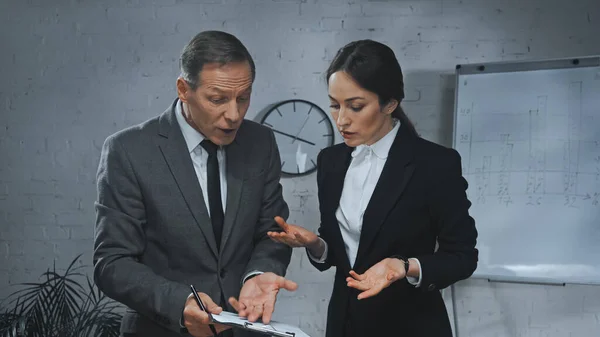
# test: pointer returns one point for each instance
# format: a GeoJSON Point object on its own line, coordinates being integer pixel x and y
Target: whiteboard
{"type": "Point", "coordinates": [529, 137]}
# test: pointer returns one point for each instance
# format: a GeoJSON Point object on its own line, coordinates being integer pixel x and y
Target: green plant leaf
{"type": "Point", "coordinates": [60, 306]}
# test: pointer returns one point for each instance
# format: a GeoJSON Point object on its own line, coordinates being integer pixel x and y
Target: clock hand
{"type": "Point", "coordinates": [302, 127]}
{"type": "Point", "coordinates": [288, 135]}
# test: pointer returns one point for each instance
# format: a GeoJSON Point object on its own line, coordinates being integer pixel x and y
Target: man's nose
{"type": "Point", "coordinates": [232, 113]}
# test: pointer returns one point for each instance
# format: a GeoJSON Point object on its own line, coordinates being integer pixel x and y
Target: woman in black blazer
{"type": "Point", "coordinates": [386, 197]}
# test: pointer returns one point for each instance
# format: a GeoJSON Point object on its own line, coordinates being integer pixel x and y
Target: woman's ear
{"type": "Point", "coordinates": [390, 106]}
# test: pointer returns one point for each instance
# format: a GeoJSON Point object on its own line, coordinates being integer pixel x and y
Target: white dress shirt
{"type": "Point", "coordinates": [199, 157]}
{"type": "Point", "coordinates": [359, 184]}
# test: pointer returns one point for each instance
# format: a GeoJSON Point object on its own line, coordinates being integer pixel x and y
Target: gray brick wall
{"type": "Point", "coordinates": [75, 71]}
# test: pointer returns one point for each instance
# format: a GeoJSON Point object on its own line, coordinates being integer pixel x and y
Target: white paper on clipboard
{"type": "Point", "coordinates": [274, 328]}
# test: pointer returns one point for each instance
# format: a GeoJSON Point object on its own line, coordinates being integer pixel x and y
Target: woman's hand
{"type": "Point", "coordinates": [377, 278]}
{"type": "Point", "coordinates": [293, 236]}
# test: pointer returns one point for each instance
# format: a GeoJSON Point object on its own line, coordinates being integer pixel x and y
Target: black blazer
{"type": "Point", "coordinates": [420, 198]}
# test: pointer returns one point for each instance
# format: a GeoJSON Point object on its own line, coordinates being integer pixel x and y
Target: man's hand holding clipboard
{"type": "Point", "coordinates": [198, 318]}
{"type": "Point", "coordinates": [257, 299]}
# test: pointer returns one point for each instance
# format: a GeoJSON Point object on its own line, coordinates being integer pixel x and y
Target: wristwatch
{"type": "Point", "coordinates": [404, 261]}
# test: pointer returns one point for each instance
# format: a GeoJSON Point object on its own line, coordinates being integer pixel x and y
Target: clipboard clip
{"type": "Point", "coordinates": [272, 331]}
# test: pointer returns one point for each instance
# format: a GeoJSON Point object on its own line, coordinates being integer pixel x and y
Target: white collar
{"type": "Point", "coordinates": [192, 137]}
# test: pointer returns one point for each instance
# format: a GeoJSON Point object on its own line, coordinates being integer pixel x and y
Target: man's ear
{"type": "Point", "coordinates": [183, 89]}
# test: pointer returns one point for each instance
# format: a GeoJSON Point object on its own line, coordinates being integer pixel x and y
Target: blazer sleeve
{"type": "Point", "coordinates": [268, 255]}
{"type": "Point", "coordinates": [119, 239]}
{"type": "Point", "coordinates": [328, 263]}
{"type": "Point", "coordinates": [456, 257]}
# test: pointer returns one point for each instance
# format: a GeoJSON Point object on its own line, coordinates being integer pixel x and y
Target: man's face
{"type": "Point", "coordinates": [218, 105]}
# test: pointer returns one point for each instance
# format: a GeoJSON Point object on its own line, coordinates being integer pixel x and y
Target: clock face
{"type": "Point", "coordinates": [301, 130]}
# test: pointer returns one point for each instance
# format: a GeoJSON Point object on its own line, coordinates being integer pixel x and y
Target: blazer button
{"type": "Point", "coordinates": [222, 273]}
{"type": "Point", "coordinates": [431, 287]}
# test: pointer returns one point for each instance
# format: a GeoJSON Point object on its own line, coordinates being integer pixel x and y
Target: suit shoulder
{"type": "Point", "coordinates": [428, 147]}
{"type": "Point", "coordinates": [336, 148]}
{"type": "Point", "coordinates": [253, 130]}
{"type": "Point", "coordinates": [331, 152]}
{"type": "Point", "coordinates": [135, 134]}
{"type": "Point", "coordinates": [436, 154]}
{"type": "Point", "coordinates": [253, 126]}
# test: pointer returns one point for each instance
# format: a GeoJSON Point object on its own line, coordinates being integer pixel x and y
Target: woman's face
{"type": "Point", "coordinates": [357, 113]}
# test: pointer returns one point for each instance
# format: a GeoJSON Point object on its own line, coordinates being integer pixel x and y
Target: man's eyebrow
{"type": "Point", "coordinates": [225, 92]}
{"type": "Point", "coordinates": [215, 89]}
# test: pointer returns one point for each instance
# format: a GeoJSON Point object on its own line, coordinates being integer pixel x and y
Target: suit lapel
{"type": "Point", "coordinates": [337, 173]}
{"type": "Point", "coordinates": [333, 186]}
{"type": "Point", "coordinates": [394, 177]}
{"type": "Point", "coordinates": [174, 150]}
{"type": "Point", "coordinates": [235, 158]}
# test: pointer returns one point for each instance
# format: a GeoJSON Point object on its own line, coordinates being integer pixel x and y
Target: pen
{"type": "Point", "coordinates": [201, 305]}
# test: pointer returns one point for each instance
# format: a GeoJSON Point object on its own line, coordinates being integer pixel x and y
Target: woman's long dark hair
{"type": "Point", "coordinates": [374, 66]}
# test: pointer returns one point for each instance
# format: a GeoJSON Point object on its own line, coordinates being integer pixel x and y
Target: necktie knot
{"type": "Point", "coordinates": [209, 146]}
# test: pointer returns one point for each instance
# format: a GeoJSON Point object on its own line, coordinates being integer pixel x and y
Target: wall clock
{"type": "Point", "coordinates": [302, 130]}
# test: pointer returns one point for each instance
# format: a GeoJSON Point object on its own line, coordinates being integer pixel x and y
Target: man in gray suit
{"type": "Point", "coordinates": [188, 198]}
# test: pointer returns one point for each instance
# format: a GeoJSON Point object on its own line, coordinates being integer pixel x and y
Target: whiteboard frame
{"type": "Point", "coordinates": [519, 66]}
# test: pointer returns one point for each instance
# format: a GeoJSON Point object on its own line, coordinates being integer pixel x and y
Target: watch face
{"type": "Point", "coordinates": [301, 130]}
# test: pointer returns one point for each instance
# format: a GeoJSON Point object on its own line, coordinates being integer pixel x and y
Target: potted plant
{"type": "Point", "coordinates": [60, 306]}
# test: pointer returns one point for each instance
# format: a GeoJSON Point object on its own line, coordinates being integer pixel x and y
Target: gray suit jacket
{"type": "Point", "coordinates": [153, 236]}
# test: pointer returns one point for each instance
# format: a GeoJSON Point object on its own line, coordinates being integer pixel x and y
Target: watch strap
{"type": "Point", "coordinates": [404, 261]}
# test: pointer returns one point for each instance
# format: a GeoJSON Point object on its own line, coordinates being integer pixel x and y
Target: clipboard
{"type": "Point", "coordinates": [276, 329]}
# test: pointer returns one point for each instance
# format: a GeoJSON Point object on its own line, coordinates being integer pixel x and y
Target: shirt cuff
{"type": "Point", "coordinates": [415, 281]}
{"type": "Point", "coordinates": [253, 273]}
{"type": "Point", "coordinates": [323, 257]}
